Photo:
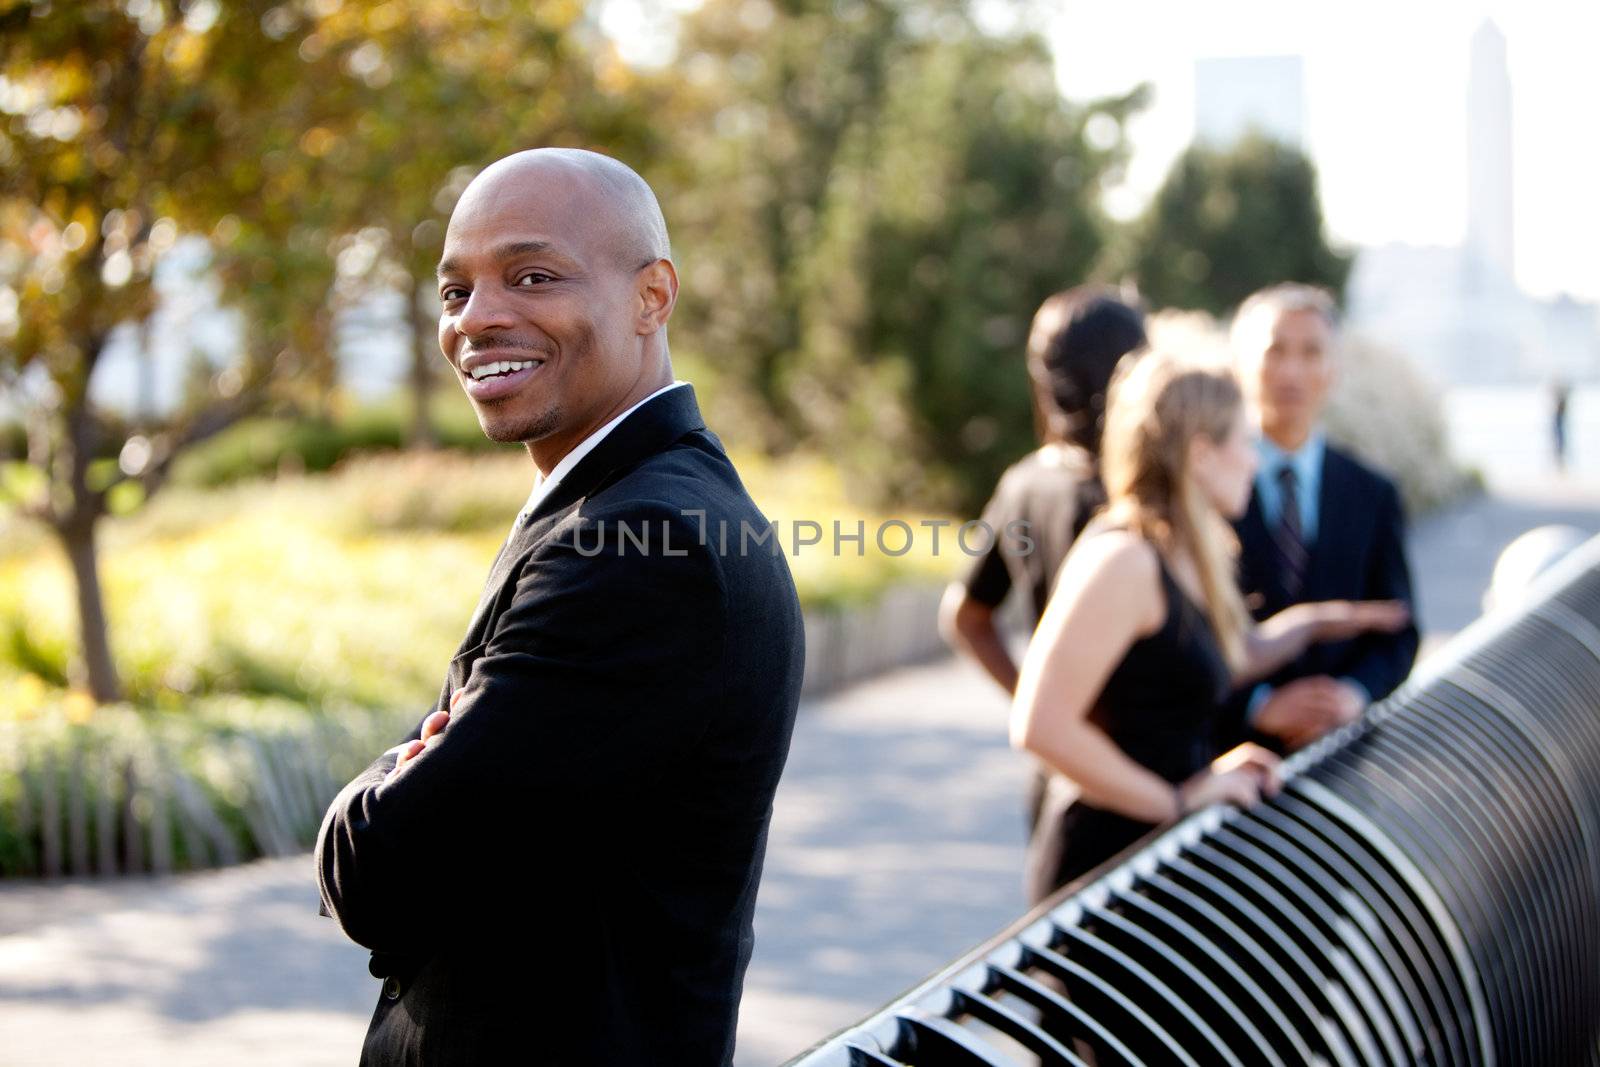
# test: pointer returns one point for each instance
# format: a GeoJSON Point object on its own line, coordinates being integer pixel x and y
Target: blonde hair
{"type": "Point", "coordinates": [1157, 404]}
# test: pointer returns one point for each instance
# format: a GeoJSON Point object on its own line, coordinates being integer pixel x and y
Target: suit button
{"type": "Point", "coordinates": [391, 988]}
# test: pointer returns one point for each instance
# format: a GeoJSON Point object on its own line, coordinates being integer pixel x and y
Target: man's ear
{"type": "Point", "coordinates": [658, 295]}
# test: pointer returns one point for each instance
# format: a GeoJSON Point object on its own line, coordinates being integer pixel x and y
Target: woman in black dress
{"type": "Point", "coordinates": [1146, 632]}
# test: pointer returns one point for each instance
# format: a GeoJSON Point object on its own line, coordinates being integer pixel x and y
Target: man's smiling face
{"type": "Point", "coordinates": [538, 309]}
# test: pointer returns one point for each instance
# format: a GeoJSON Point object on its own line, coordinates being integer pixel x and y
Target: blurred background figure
{"type": "Point", "coordinates": [1320, 524]}
{"type": "Point", "coordinates": [1560, 395]}
{"type": "Point", "coordinates": [1146, 634]}
{"type": "Point", "coordinates": [1077, 338]}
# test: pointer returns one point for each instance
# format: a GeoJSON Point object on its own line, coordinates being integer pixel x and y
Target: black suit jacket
{"type": "Point", "coordinates": [1359, 554]}
{"type": "Point", "coordinates": [569, 877]}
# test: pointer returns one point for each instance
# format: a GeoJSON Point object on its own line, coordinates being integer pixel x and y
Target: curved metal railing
{"type": "Point", "coordinates": [1424, 890]}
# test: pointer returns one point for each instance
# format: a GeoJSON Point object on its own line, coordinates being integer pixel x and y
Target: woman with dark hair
{"type": "Point", "coordinates": [1077, 338]}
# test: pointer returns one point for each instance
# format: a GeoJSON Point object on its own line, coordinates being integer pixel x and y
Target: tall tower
{"type": "Point", "coordinates": [1489, 223]}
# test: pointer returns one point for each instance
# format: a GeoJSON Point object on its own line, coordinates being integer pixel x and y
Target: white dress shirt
{"type": "Point", "coordinates": [545, 484]}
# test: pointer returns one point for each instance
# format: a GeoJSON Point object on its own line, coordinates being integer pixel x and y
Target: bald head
{"type": "Point", "coordinates": [555, 290]}
{"type": "Point", "coordinates": [607, 193]}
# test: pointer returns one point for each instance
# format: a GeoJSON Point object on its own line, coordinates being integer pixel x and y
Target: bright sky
{"type": "Point", "coordinates": [1385, 91]}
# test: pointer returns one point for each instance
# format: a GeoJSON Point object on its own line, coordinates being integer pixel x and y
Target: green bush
{"type": "Point", "coordinates": [265, 446]}
{"type": "Point", "coordinates": [13, 440]}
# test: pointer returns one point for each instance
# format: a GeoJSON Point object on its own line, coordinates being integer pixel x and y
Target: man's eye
{"type": "Point", "coordinates": [533, 278]}
{"type": "Point", "coordinates": [454, 292]}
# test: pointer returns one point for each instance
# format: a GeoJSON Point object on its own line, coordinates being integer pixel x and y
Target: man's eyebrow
{"type": "Point", "coordinates": [505, 251]}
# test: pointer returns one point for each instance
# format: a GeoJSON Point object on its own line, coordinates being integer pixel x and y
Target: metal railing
{"type": "Point", "coordinates": [1424, 890]}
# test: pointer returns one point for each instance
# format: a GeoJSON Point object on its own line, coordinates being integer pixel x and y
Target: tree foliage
{"type": "Point", "coordinates": [279, 133]}
{"type": "Point", "coordinates": [868, 198]}
{"type": "Point", "coordinates": [1228, 221]}
{"type": "Point", "coordinates": [125, 125]}
{"type": "Point", "coordinates": [870, 201]}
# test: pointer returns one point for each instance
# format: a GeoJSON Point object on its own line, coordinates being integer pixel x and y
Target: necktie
{"type": "Point", "coordinates": [1289, 537]}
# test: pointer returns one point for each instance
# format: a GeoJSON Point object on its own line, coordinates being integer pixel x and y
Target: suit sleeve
{"type": "Point", "coordinates": [595, 684]}
{"type": "Point", "coordinates": [1380, 662]}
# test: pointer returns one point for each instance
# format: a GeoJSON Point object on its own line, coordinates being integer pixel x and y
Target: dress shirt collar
{"type": "Point", "coordinates": [1306, 460]}
{"type": "Point", "coordinates": [1307, 463]}
{"type": "Point", "coordinates": [544, 484]}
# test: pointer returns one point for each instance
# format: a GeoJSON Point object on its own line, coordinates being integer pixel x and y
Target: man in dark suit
{"type": "Point", "coordinates": [1320, 526]}
{"type": "Point", "coordinates": [559, 866]}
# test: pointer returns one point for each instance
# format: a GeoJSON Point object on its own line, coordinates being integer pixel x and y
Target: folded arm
{"type": "Point", "coordinates": [597, 680]}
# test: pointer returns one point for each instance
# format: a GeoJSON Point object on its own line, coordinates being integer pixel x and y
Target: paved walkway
{"type": "Point", "coordinates": [896, 845]}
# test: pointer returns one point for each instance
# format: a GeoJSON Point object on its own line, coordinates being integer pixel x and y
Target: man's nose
{"type": "Point", "coordinates": [1296, 366]}
{"type": "Point", "coordinates": [485, 310]}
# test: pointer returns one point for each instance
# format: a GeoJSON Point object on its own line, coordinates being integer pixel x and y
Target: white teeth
{"type": "Point", "coordinates": [481, 372]}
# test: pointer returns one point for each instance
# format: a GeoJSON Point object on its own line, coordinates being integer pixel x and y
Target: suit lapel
{"type": "Point", "coordinates": [650, 429]}
{"type": "Point", "coordinates": [510, 551]}
{"type": "Point", "coordinates": [1332, 500]}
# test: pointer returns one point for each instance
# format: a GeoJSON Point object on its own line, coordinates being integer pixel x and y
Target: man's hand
{"type": "Point", "coordinates": [432, 728]}
{"type": "Point", "coordinates": [1303, 710]}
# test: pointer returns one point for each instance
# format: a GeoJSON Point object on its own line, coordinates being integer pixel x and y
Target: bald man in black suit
{"type": "Point", "coordinates": [559, 866]}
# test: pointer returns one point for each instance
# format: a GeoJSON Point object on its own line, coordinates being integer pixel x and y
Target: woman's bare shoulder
{"type": "Point", "coordinates": [1113, 573]}
{"type": "Point", "coordinates": [1118, 551]}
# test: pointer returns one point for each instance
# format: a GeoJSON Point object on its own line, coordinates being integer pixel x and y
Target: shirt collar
{"type": "Point", "coordinates": [1306, 460]}
{"type": "Point", "coordinates": [543, 484]}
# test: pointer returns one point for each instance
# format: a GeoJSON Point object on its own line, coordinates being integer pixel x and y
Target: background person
{"type": "Point", "coordinates": [1074, 344]}
{"type": "Point", "coordinates": [1146, 633]}
{"type": "Point", "coordinates": [1560, 398]}
{"type": "Point", "coordinates": [1320, 526]}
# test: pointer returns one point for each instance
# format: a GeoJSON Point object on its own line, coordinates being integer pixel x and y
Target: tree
{"type": "Point", "coordinates": [117, 118]}
{"type": "Point", "coordinates": [870, 200]}
{"type": "Point", "coordinates": [1227, 222]}
{"type": "Point", "coordinates": [281, 134]}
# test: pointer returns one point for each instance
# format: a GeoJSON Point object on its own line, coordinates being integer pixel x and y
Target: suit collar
{"type": "Point", "coordinates": [650, 428]}
{"type": "Point", "coordinates": [1335, 494]}
{"type": "Point", "coordinates": [546, 484]}
{"type": "Point", "coordinates": [1335, 497]}
{"type": "Point", "coordinates": [1256, 543]}
{"type": "Point", "coordinates": [1253, 525]}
